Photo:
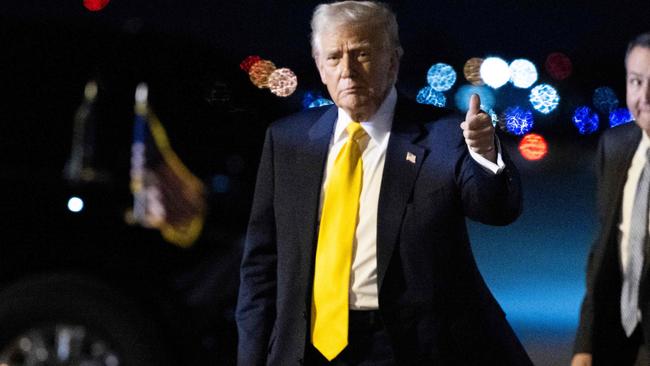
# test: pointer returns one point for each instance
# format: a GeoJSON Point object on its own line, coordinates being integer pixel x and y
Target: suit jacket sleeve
{"type": "Point", "coordinates": [256, 302]}
{"type": "Point", "coordinates": [493, 199]}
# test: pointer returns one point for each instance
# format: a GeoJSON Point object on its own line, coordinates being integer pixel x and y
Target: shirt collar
{"type": "Point", "coordinates": [644, 144]}
{"type": "Point", "coordinates": [645, 140]}
{"type": "Point", "coordinates": [377, 127]}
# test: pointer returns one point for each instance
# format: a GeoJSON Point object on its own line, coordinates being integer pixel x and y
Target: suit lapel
{"type": "Point", "coordinates": [311, 155]}
{"type": "Point", "coordinates": [403, 161]}
{"type": "Point", "coordinates": [615, 178]}
{"type": "Point", "coordinates": [628, 148]}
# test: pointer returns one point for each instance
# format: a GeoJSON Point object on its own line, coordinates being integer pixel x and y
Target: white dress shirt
{"type": "Point", "coordinates": [629, 191]}
{"type": "Point", "coordinates": [363, 275]}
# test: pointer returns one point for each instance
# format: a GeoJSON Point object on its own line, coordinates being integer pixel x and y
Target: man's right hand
{"type": "Point", "coordinates": [581, 359]}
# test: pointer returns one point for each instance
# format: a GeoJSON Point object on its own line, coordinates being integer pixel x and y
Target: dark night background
{"type": "Point", "coordinates": [189, 52]}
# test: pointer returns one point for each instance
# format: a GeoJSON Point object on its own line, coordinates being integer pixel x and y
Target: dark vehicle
{"type": "Point", "coordinates": [87, 288]}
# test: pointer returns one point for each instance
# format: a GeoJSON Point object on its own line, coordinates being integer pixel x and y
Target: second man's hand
{"type": "Point", "coordinates": [478, 130]}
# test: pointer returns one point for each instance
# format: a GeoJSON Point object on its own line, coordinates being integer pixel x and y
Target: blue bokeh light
{"type": "Point", "coordinates": [428, 95]}
{"type": "Point", "coordinates": [544, 98]}
{"type": "Point", "coordinates": [463, 94]}
{"type": "Point", "coordinates": [523, 73]}
{"type": "Point", "coordinates": [518, 121]}
{"type": "Point", "coordinates": [605, 99]}
{"type": "Point", "coordinates": [309, 97]}
{"type": "Point", "coordinates": [320, 102]}
{"type": "Point", "coordinates": [220, 183]}
{"type": "Point", "coordinates": [585, 120]}
{"type": "Point", "coordinates": [620, 116]}
{"type": "Point", "coordinates": [493, 115]}
{"type": "Point", "coordinates": [313, 99]}
{"type": "Point", "coordinates": [495, 72]}
{"type": "Point", "coordinates": [441, 77]}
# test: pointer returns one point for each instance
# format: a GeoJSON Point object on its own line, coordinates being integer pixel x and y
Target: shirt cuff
{"type": "Point", "coordinates": [488, 165]}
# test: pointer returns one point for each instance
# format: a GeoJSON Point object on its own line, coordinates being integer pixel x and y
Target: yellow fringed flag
{"type": "Point", "coordinates": [166, 195]}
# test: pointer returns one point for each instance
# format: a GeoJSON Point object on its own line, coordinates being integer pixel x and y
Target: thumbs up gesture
{"type": "Point", "coordinates": [478, 130]}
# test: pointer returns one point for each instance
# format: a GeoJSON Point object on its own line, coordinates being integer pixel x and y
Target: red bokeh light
{"type": "Point", "coordinates": [558, 65]}
{"type": "Point", "coordinates": [533, 147]}
{"type": "Point", "coordinates": [95, 5]}
{"type": "Point", "coordinates": [249, 62]}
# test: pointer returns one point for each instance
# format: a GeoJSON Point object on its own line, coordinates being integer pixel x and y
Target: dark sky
{"type": "Point", "coordinates": [593, 34]}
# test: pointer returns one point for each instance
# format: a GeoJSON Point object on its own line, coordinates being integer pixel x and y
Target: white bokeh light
{"type": "Point", "coordinates": [523, 73]}
{"type": "Point", "coordinates": [75, 204]}
{"type": "Point", "coordinates": [495, 72]}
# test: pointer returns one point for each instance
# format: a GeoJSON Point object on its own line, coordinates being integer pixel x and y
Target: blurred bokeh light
{"type": "Point", "coordinates": [586, 120]}
{"type": "Point", "coordinates": [259, 73]}
{"type": "Point", "coordinates": [523, 73]}
{"type": "Point", "coordinates": [428, 95]}
{"type": "Point", "coordinates": [605, 99]}
{"type": "Point", "coordinates": [558, 66]}
{"type": "Point", "coordinates": [517, 120]}
{"type": "Point", "coordinates": [441, 77]}
{"type": "Point", "coordinates": [248, 62]}
{"type": "Point", "coordinates": [75, 204]}
{"type": "Point", "coordinates": [220, 184]}
{"type": "Point", "coordinates": [495, 72]}
{"type": "Point", "coordinates": [544, 98]}
{"type": "Point", "coordinates": [533, 147]}
{"type": "Point", "coordinates": [463, 94]}
{"type": "Point", "coordinates": [472, 71]}
{"type": "Point", "coordinates": [320, 102]}
{"type": "Point", "coordinates": [309, 97]}
{"type": "Point", "coordinates": [282, 82]}
{"type": "Point", "coordinates": [620, 116]}
{"type": "Point", "coordinates": [95, 5]}
{"type": "Point", "coordinates": [493, 115]}
{"type": "Point", "coordinates": [313, 99]}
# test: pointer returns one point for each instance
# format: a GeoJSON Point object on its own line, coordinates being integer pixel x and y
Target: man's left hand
{"type": "Point", "coordinates": [478, 130]}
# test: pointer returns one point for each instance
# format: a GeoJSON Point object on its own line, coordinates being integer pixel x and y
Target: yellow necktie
{"type": "Point", "coordinates": [329, 321]}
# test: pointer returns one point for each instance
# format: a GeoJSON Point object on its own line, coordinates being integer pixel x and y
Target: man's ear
{"type": "Point", "coordinates": [393, 68]}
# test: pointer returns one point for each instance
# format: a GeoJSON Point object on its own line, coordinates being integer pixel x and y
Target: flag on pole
{"type": "Point", "coordinates": [79, 167]}
{"type": "Point", "coordinates": [166, 195]}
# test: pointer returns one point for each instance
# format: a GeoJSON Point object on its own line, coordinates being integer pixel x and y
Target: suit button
{"type": "Point", "coordinates": [301, 361]}
{"type": "Point", "coordinates": [304, 314]}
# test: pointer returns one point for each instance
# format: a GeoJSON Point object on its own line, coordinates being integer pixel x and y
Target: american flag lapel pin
{"type": "Point", "coordinates": [410, 157]}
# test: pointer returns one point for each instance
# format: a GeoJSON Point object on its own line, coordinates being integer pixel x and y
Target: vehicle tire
{"type": "Point", "coordinates": [93, 314]}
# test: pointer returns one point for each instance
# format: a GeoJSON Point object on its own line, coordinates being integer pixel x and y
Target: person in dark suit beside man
{"type": "Point", "coordinates": [615, 315]}
{"type": "Point", "coordinates": [357, 252]}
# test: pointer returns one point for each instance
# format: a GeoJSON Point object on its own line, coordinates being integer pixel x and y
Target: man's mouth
{"type": "Point", "coordinates": [351, 90]}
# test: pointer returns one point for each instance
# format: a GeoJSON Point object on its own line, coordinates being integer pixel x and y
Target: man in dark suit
{"type": "Point", "coordinates": [392, 182]}
{"type": "Point", "coordinates": [614, 321]}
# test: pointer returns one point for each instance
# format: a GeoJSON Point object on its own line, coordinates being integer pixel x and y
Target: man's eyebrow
{"type": "Point", "coordinates": [637, 74]}
{"type": "Point", "coordinates": [360, 44]}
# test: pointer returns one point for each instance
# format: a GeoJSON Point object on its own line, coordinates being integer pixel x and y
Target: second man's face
{"type": "Point", "coordinates": [638, 86]}
{"type": "Point", "coordinates": [358, 68]}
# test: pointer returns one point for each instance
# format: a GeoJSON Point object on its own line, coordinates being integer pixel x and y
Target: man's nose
{"type": "Point", "coordinates": [347, 66]}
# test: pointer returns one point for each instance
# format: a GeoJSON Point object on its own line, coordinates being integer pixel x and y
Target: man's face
{"type": "Point", "coordinates": [638, 86]}
{"type": "Point", "coordinates": [357, 67]}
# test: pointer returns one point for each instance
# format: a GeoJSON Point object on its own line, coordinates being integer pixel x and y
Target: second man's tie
{"type": "Point", "coordinates": [637, 244]}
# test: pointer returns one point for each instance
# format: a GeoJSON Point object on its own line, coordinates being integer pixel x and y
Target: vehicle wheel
{"type": "Point", "coordinates": [70, 320]}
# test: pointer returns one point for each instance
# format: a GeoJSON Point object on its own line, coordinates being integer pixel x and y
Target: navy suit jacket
{"type": "Point", "coordinates": [434, 302]}
{"type": "Point", "coordinates": [600, 331]}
